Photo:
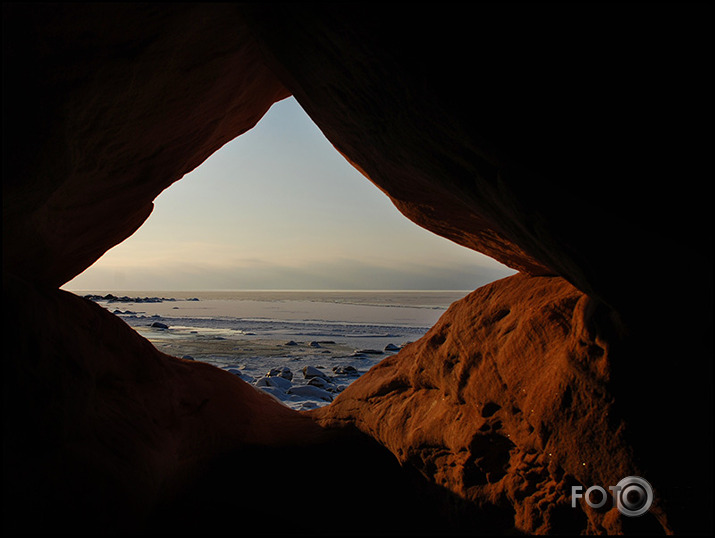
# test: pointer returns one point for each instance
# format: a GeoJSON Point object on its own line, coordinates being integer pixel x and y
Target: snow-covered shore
{"type": "Point", "coordinates": [303, 352]}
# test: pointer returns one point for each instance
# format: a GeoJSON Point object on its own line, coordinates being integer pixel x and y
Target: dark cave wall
{"type": "Point", "coordinates": [572, 143]}
{"type": "Point", "coordinates": [105, 107]}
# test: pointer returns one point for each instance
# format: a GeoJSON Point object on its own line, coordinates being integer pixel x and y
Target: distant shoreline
{"type": "Point", "coordinates": [114, 291]}
{"type": "Point", "coordinates": [386, 298]}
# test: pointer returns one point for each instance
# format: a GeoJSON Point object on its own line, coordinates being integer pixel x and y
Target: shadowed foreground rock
{"type": "Point", "coordinates": [103, 433]}
{"type": "Point", "coordinates": [572, 143]}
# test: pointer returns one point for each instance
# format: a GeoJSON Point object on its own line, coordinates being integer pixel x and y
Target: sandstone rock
{"type": "Point", "coordinates": [116, 409]}
{"type": "Point", "coordinates": [219, 87]}
{"type": "Point", "coordinates": [491, 401]}
{"type": "Point", "coordinates": [543, 145]}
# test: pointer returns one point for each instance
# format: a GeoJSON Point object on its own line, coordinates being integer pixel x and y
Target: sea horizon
{"type": "Point", "coordinates": [416, 298]}
{"type": "Point", "coordinates": [265, 290]}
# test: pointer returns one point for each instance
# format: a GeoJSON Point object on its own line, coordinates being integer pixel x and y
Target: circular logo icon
{"type": "Point", "coordinates": [634, 496]}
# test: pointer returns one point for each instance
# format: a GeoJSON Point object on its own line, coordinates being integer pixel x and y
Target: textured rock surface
{"type": "Point", "coordinates": [506, 402]}
{"type": "Point", "coordinates": [578, 149]}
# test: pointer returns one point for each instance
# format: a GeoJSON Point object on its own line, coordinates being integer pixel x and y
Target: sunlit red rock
{"type": "Point", "coordinates": [505, 402]}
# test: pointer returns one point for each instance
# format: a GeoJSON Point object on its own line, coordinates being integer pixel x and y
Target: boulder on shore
{"type": "Point", "coordinates": [312, 371]}
{"type": "Point", "coordinates": [309, 391]}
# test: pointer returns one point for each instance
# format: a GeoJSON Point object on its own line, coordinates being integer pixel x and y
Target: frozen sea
{"type": "Point", "coordinates": [303, 347]}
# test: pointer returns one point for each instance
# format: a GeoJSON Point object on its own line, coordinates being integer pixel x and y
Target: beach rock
{"type": "Point", "coordinates": [309, 391]}
{"type": "Point", "coordinates": [277, 392]}
{"type": "Point", "coordinates": [291, 343]}
{"type": "Point", "coordinates": [312, 371]}
{"type": "Point", "coordinates": [391, 347]}
{"type": "Point", "coordinates": [314, 344]}
{"type": "Point", "coordinates": [241, 374]}
{"type": "Point", "coordinates": [322, 383]}
{"type": "Point", "coordinates": [281, 371]}
{"type": "Point", "coordinates": [159, 325]}
{"type": "Point", "coordinates": [345, 370]}
{"type": "Point", "coordinates": [187, 357]}
{"type": "Point", "coordinates": [278, 382]}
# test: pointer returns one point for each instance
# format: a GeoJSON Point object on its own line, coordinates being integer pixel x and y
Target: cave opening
{"type": "Point", "coordinates": [278, 208]}
{"type": "Point", "coordinates": [276, 248]}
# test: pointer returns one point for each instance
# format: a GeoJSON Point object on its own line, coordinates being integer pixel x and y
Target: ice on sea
{"type": "Point", "coordinates": [302, 376]}
{"type": "Point", "coordinates": [308, 388]}
{"type": "Point", "coordinates": [304, 363]}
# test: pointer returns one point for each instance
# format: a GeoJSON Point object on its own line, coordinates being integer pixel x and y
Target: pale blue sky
{"type": "Point", "coordinates": [280, 208]}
